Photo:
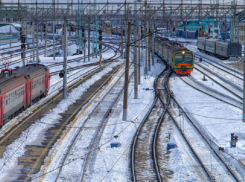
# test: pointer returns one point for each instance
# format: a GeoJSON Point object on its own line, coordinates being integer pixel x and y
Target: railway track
{"type": "Point", "coordinates": [221, 66]}
{"type": "Point", "coordinates": [54, 132]}
{"type": "Point", "coordinates": [203, 148]}
{"type": "Point", "coordinates": [191, 81]}
{"type": "Point", "coordinates": [225, 83]}
{"type": "Point", "coordinates": [13, 62]}
{"type": "Point", "coordinates": [106, 48]}
{"type": "Point", "coordinates": [86, 139]}
{"type": "Point", "coordinates": [143, 150]}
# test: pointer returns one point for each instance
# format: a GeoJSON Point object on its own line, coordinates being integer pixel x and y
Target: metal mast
{"type": "Point", "coordinates": [95, 39]}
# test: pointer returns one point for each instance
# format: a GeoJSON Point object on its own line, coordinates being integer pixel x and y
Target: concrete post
{"type": "Point", "coordinates": [33, 42]}
{"type": "Point", "coordinates": [135, 62]}
{"type": "Point", "coordinates": [139, 54]}
{"type": "Point", "coordinates": [89, 38]}
{"type": "Point", "coordinates": [37, 56]}
{"type": "Point", "coordinates": [46, 38]}
{"type": "Point", "coordinates": [65, 60]}
{"type": "Point", "coordinates": [125, 99]}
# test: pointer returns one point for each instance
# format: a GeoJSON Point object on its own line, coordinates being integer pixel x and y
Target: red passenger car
{"type": "Point", "coordinates": [20, 87]}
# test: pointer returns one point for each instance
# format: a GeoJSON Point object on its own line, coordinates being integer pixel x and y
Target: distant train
{"type": "Point", "coordinates": [20, 87]}
{"type": "Point", "coordinates": [219, 48]}
{"type": "Point", "coordinates": [179, 58]}
{"type": "Point", "coordinates": [222, 35]}
{"type": "Point", "coordinates": [190, 34]}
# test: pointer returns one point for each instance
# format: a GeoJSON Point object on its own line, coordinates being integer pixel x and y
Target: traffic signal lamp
{"type": "Point", "coordinates": [100, 32]}
{"type": "Point", "coordinates": [23, 46]}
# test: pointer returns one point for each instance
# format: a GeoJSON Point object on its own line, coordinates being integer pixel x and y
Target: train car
{"type": "Point", "coordinates": [201, 43]}
{"type": "Point", "coordinates": [219, 48]}
{"type": "Point", "coordinates": [20, 87]}
{"type": "Point", "coordinates": [180, 33]}
{"type": "Point", "coordinates": [190, 34]}
{"type": "Point", "coordinates": [179, 58]}
{"type": "Point", "coordinates": [223, 35]}
{"type": "Point", "coordinates": [226, 49]}
{"type": "Point", "coordinates": [210, 45]}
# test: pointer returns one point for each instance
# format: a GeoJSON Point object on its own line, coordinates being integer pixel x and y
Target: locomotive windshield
{"type": "Point", "coordinates": [188, 56]}
{"type": "Point", "coordinates": [183, 57]}
{"type": "Point", "coordinates": [178, 56]}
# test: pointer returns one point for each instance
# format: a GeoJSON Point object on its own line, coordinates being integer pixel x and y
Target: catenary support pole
{"type": "Point", "coordinates": [135, 62]}
{"type": "Point", "coordinates": [145, 40]}
{"type": "Point", "coordinates": [46, 27]}
{"type": "Point", "coordinates": [65, 60]}
{"type": "Point", "coordinates": [53, 30]}
{"type": "Point", "coordinates": [243, 115]}
{"type": "Point", "coordinates": [37, 56]}
{"type": "Point", "coordinates": [10, 38]}
{"type": "Point", "coordinates": [125, 99]}
{"type": "Point", "coordinates": [152, 43]}
{"type": "Point", "coordinates": [33, 41]}
{"type": "Point", "coordinates": [89, 38]}
{"type": "Point", "coordinates": [139, 54]}
{"type": "Point", "coordinates": [122, 38]}
{"type": "Point", "coordinates": [100, 45]}
{"type": "Point", "coordinates": [149, 46]}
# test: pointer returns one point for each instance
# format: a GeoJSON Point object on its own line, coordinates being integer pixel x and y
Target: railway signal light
{"type": "Point", "coordinates": [62, 73]}
{"type": "Point", "coordinates": [23, 38]}
{"type": "Point", "coordinates": [23, 46]}
{"type": "Point", "coordinates": [232, 137]}
{"type": "Point", "coordinates": [20, 31]}
{"type": "Point", "coordinates": [236, 138]}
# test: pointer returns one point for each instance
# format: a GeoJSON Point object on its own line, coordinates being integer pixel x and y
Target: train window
{"type": "Point", "coordinates": [178, 57]}
{"type": "Point", "coordinates": [188, 56]}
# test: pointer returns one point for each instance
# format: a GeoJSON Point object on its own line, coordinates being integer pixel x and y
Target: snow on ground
{"type": "Point", "coordinates": [216, 118]}
{"type": "Point", "coordinates": [118, 159]}
{"type": "Point", "coordinates": [34, 134]}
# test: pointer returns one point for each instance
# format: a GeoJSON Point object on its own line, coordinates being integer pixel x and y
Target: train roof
{"type": "Point", "coordinates": [174, 46]}
{"type": "Point", "coordinates": [223, 42]}
{"type": "Point", "coordinates": [20, 75]}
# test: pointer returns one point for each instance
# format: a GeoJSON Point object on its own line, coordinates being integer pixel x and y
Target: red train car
{"type": "Point", "coordinates": [20, 87]}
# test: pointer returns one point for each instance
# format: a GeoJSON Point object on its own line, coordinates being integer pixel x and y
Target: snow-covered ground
{"type": "Point", "coordinates": [112, 164]}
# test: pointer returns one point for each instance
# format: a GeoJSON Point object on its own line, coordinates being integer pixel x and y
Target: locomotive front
{"type": "Point", "coordinates": [183, 62]}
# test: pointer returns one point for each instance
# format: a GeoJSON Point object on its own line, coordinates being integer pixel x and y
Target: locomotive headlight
{"type": "Point", "coordinates": [183, 52]}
